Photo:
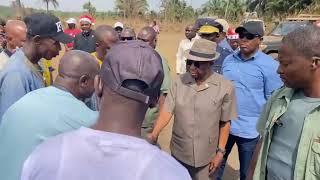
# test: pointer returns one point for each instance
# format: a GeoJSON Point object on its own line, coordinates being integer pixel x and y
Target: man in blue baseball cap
{"type": "Point", "coordinates": [23, 74]}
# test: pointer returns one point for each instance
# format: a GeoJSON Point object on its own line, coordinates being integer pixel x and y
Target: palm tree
{"type": "Point", "coordinates": [55, 3]}
{"type": "Point", "coordinates": [132, 7]}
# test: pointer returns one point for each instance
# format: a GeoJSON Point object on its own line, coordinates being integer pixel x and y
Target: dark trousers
{"type": "Point", "coordinates": [246, 148]}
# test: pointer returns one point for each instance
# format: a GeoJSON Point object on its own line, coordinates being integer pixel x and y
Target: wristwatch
{"type": "Point", "coordinates": [223, 151]}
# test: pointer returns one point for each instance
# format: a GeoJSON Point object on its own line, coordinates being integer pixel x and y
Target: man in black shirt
{"type": "Point", "coordinates": [85, 41]}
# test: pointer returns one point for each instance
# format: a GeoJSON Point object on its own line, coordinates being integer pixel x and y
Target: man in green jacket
{"type": "Point", "coordinates": [289, 124]}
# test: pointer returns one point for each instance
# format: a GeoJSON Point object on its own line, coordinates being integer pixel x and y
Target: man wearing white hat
{"type": "Point", "coordinates": [72, 31]}
{"type": "Point", "coordinates": [118, 26]}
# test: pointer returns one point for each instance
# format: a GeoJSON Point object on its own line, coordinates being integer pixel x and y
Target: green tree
{"type": "Point", "coordinates": [131, 8]}
{"type": "Point", "coordinates": [55, 4]}
{"type": "Point", "coordinates": [176, 10]}
{"type": "Point", "coordinates": [229, 9]}
{"type": "Point", "coordinates": [89, 8]}
{"type": "Point", "coordinates": [279, 7]}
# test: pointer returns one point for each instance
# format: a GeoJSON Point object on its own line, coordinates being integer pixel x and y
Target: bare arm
{"type": "Point", "coordinates": [162, 121]}
{"type": "Point", "coordinates": [224, 134]}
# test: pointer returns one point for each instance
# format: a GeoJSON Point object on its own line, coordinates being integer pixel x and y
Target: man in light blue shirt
{"type": "Point", "coordinates": [255, 77]}
{"type": "Point", "coordinates": [23, 74]}
{"type": "Point", "coordinates": [47, 112]}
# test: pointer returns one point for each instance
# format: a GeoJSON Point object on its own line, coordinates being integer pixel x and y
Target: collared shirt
{"type": "Point", "coordinates": [18, 78]}
{"type": "Point", "coordinates": [225, 44]}
{"type": "Point", "coordinates": [255, 79]}
{"type": "Point", "coordinates": [40, 114]}
{"type": "Point", "coordinates": [152, 113]}
{"type": "Point", "coordinates": [184, 45]}
{"type": "Point", "coordinates": [90, 154]}
{"type": "Point", "coordinates": [85, 43]}
{"type": "Point", "coordinates": [307, 164]}
{"type": "Point", "coordinates": [198, 110]}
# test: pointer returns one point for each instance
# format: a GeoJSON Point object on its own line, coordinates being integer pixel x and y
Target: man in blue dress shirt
{"type": "Point", "coordinates": [255, 77]}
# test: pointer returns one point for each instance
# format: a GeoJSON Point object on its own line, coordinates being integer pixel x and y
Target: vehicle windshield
{"type": "Point", "coordinates": [286, 27]}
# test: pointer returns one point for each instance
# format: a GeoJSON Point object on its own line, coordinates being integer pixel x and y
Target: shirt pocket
{"type": "Point", "coordinates": [315, 159]}
{"type": "Point", "coordinates": [252, 79]}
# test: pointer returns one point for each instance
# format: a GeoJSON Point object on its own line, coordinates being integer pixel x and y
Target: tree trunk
{"type": "Point", "coordinates": [47, 7]}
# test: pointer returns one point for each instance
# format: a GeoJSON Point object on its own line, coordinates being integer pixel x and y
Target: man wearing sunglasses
{"type": "Point", "coordinates": [255, 77]}
{"type": "Point", "coordinates": [202, 103]}
{"type": "Point", "coordinates": [23, 74]}
{"type": "Point", "coordinates": [128, 34]}
{"type": "Point", "coordinates": [106, 37]}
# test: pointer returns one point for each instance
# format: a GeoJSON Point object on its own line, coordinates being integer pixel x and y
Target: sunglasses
{"type": "Point", "coordinates": [248, 36]}
{"type": "Point", "coordinates": [126, 38]}
{"type": "Point", "coordinates": [195, 63]}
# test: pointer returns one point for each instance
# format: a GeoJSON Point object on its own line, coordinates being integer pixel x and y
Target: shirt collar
{"type": "Point", "coordinates": [188, 79]}
{"type": "Point", "coordinates": [254, 57]}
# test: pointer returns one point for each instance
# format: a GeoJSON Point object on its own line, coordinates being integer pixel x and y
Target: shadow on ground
{"type": "Point", "coordinates": [230, 173]}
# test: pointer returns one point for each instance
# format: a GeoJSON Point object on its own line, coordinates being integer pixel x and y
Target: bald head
{"type": "Point", "coordinates": [106, 36]}
{"type": "Point", "coordinates": [16, 32]}
{"type": "Point", "coordinates": [148, 34]}
{"type": "Point", "coordinates": [77, 70]}
{"type": "Point", "coordinates": [76, 63]}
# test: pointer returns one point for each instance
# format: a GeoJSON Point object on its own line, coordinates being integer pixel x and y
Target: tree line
{"type": "Point", "coordinates": [179, 10]}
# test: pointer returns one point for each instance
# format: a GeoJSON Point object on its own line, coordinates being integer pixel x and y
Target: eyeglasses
{"type": "Point", "coordinates": [195, 63]}
{"type": "Point", "coordinates": [248, 36]}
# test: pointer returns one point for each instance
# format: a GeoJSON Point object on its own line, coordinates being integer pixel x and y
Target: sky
{"type": "Point", "coordinates": [101, 5]}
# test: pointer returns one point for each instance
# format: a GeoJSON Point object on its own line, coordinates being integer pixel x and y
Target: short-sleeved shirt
{"type": "Point", "coordinates": [40, 114]}
{"type": "Point", "coordinates": [90, 154]}
{"type": "Point", "coordinates": [18, 78]}
{"type": "Point", "coordinates": [153, 113]}
{"type": "Point", "coordinates": [198, 110]}
{"type": "Point", "coordinates": [85, 43]}
{"type": "Point", "coordinates": [254, 79]}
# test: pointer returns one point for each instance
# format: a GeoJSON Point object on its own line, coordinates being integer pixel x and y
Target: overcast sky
{"type": "Point", "coordinates": [101, 5]}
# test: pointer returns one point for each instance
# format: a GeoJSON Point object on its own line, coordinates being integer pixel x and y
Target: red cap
{"type": "Point", "coordinates": [232, 34]}
{"type": "Point", "coordinates": [87, 18]}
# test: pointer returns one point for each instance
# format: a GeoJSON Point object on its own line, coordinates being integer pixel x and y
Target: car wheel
{"type": "Point", "coordinates": [274, 55]}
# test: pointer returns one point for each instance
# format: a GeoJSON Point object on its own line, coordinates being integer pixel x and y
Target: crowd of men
{"type": "Point", "coordinates": [113, 95]}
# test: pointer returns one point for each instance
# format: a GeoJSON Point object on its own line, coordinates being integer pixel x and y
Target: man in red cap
{"type": "Point", "coordinates": [233, 39]}
{"type": "Point", "coordinates": [85, 41]}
